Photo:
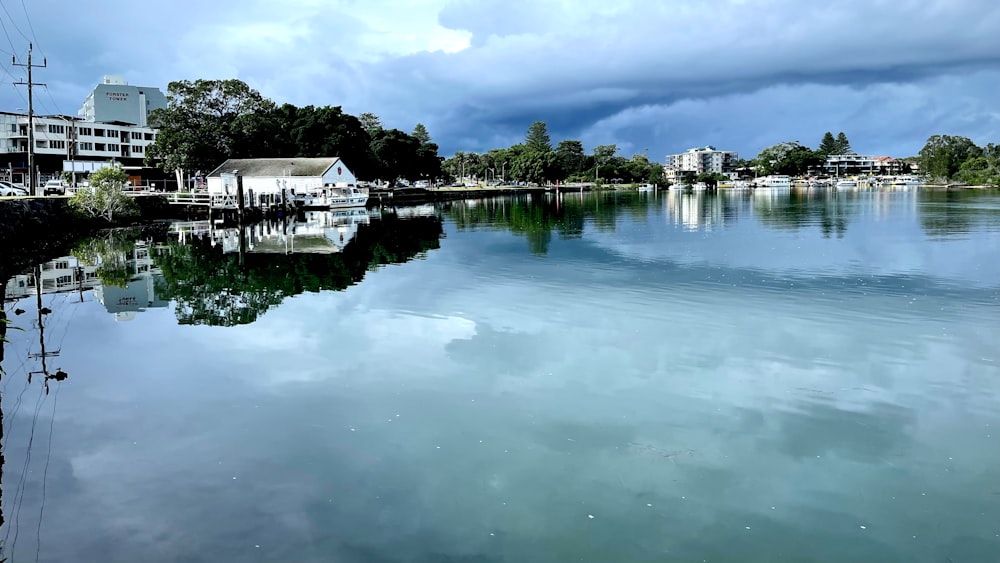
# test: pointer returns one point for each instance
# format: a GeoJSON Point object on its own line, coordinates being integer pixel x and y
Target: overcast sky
{"type": "Point", "coordinates": [662, 75]}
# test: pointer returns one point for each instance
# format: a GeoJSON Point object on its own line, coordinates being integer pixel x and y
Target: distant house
{"type": "Point", "coordinates": [272, 175]}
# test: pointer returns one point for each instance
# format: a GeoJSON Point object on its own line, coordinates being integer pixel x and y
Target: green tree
{"type": "Point", "coordinates": [206, 122]}
{"type": "Point", "coordinates": [569, 157]}
{"type": "Point", "coordinates": [828, 145]}
{"type": "Point", "coordinates": [105, 198]}
{"type": "Point", "coordinates": [420, 133]}
{"type": "Point", "coordinates": [791, 158]}
{"type": "Point", "coordinates": [538, 137]}
{"type": "Point", "coordinates": [370, 122]}
{"type": "Point", "coordinates": [843, 145]}
{"type": "Point", "coordinates": [943, 155]}
{"type": "Point", "coordinates": [602, 155]}
{"type": "Point", "coordinates": [711, 179]}
{"type": "Point", "coordinates": [533, 166]}
{"type": "Point", "coordinates": [396, 154]}
{"type": "Point", "coordinates": [328, 131]}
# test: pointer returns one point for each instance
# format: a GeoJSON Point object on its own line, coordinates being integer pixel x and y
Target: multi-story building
{"type": "Point", "coordinates": [700, 160]}
{"type": "Point", "coordinates": [113, 128]}
{"type": "Point", "coordinates": [115, 101]}
{"type": "Point", "coordinates": [848, 164]}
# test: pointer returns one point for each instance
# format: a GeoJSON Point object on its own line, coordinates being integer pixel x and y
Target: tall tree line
{"type": "Point", "coordinates": [536, 161]}
{"type": "Point", "coordinates": [209, 121]}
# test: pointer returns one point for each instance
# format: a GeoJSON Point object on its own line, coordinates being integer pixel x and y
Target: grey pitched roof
{"type": "Point", "coordinates": [276, 167]}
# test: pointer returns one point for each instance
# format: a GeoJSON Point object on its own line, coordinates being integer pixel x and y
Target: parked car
{"type": "Point", "coordinates": [54, 187]}
{"type": "Point", "coordinates": [9, 189]}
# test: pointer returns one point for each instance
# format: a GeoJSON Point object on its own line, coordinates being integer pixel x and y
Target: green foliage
{"type": "Point", "coordinates": [105, 198]}
{"type": "Point", "coordinates": [216, 289]}
{"type": "Point", "coordinates": [570, 157]}
{"type": "Point", "coordinates": [534, 166]}
{"type": "Point", "coordinates": [370, 122]}
{"type": "Point", "coordinates": [209, 121]}
{"type": "Point", "coordinates": [791, 158]}
{"type": "Point", "coordinates": [206, 122]}
{"type": "Point", "coordinates": [711, 179]}
{"type": "Point", "coordinates": [943, 156]}
{"type": "Point", "coordinates": [537, 138]}
{"type": "Point", "coordinates": [828, 145]}
{"type": "Point", "coordinates": [843, 145]}
{"type": "Point", "coordinates": [420, 134]}
{"type": "Point", "coordinates": [538, 219]}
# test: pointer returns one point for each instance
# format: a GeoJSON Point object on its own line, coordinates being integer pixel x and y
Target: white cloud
{"type": "Point", "coordinates": [477, 72]}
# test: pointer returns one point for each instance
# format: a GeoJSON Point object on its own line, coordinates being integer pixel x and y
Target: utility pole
{"type": "Point", "coordinates": [32, 187]}
{"type": "Point", "coordinates": [41, 331]}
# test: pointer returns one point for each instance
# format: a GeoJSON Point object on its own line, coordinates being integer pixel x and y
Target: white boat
{"type": "Point", "coordinates": [846, 184]}
{"type": "Point", "coordinates": [778, 181]}
{"type": "Point", "coordinates": [907, 180]}
{"type": "Point", "coordinates": [333, 197]}
{"type": "Point", "coordinates": [646, 188]}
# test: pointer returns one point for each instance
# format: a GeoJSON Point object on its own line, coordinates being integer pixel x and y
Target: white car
{"type": "Point", "coordinates": [8, 189]}
{"type": "Point", "coordinates": [54, 187]}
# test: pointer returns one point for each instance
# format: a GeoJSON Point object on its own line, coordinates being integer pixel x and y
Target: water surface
{"type": "Point", "coordinates": [776, 376]}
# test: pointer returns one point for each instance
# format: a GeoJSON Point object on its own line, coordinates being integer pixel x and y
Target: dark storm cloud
{"type": "Point", "coordinates": [662, 76]}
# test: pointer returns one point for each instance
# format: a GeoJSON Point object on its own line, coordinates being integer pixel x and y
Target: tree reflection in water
{"type": "Point", "coordinates": [211, 287]}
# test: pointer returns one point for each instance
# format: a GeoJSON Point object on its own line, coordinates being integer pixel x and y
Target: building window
{"type": "Point", "coordinates": [137, 149]}
{"type": "Point", "coordinates": [86, 146]}
{"type": "Point", "coordinates": [98, 132]}
{"type": "Point", "coordinates": [113, 147]}
{"type": "Point", "coordinates": [148, 136]}
{"type": "Point", "coordinates": [100, 147]}
{"type": "Point", "coordinates": [86, 131]}
{"type": "Point", "coordinates": [63, 280]}
{"type": "Point", "coordinates": [137, 136]}
{"type": "Point", "coordinates": [57, 129]}
{"type": "Point", "coordinates": [57, 144]}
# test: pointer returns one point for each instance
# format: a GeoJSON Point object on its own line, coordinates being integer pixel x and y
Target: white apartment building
{"type": "Point", "coordinates": [73, 138]}
{"type": "Point", "coordinates": [847, 164]}
{"type": "Point", "coordinates": [116, 101]}
{"type": "Point", "coordinates": [699, 160]}
{"type": "Point", "coordinates": [113, 128]}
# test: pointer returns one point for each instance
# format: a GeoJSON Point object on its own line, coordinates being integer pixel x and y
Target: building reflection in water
{"type": "Point", "coordinates": [700, 210]}
{"type": "Point", "coordinates": [70, 274]}
{"type": "Point", "coordinates": [317, 232]}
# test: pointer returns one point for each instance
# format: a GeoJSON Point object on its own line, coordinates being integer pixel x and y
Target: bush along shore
{"type": "Point", "coordinates": [36, 229]}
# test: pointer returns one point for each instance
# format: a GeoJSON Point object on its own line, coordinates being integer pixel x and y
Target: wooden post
{"type": "Point", "coordinates": [239, 198]}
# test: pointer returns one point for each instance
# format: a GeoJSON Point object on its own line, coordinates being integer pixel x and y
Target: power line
{"type": "Point", "coordinates": [31, 28]}
{"type": "Point", "coordinates": [13, 23]}
{"type": "Point", "coordinates": [11, 43]}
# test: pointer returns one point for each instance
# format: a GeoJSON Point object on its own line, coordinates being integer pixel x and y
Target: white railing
{"type": "Point", "coordinates": [188, 198]}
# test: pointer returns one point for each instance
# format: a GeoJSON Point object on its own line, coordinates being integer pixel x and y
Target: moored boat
{"type": "Point", "coordinates": [334, 197]}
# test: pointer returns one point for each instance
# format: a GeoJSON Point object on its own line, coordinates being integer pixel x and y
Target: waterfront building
{"type": "Point", "coordinates": [852, 164]}
{"type": "Point", "coordinates": [112, 128]}
{"type": "Point", "coordinates": [700, 160]}
{"type": "Point", "coordinates": [272, 176]}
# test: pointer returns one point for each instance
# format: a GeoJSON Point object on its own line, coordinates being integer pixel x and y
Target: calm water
{"type": "Point", "coordinates": [630, 377]}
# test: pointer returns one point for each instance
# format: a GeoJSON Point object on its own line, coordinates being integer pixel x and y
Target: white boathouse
{"type": "Point", "coordinates": [270, 176]}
